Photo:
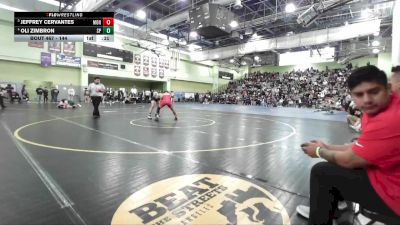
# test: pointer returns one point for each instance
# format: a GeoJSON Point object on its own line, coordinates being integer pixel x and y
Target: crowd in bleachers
{"type": "Point", "coordinates": [309, 88]}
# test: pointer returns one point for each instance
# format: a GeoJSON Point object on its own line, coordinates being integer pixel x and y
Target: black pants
{"type": "Point", "coordinates": [45, 98]}
{"type": "Point", "coordinates": [2, 102]}
{"type": "Point", "coordinates": [330, 183]}
{"type": "Point", "coordinates": [96, 102]}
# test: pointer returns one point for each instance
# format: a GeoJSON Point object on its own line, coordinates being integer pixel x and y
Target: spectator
{"type": "Point", "coordinates": [295, 89]}
{"type": "Point", "coordinates": [24, 93]}
{"type": "Point", "coordinates": [9, 90]}
{"type": "Point", "coordinates": [39, 92]}
{"type": "Point", "coordinates": [71, 93]}
{"type": "Point", "coordinates": [86, 94]}
{"type": "Point", "coordinates": [45, 95]}
{"type": "Point", "coordinates": [54, 94]}
{"type": "Point", "coordinates": [368, 167]}
{"type": "Point", "coordinates": [2, 93]}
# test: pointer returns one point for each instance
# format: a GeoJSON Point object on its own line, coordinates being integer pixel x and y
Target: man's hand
{"type": "Point", "coordinates": [309, 148]}
{"type": "Point", "coordinates": [319, 143]}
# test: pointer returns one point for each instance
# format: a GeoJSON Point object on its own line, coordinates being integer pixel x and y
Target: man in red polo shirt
{"type": "Point", "coordinates": [367, 171]}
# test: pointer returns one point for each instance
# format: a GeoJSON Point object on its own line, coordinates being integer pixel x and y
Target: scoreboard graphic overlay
{"type": "Point", "coordinates": [64, 26]}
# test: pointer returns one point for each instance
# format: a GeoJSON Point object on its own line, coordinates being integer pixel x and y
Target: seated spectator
{"type": "Point", "coordinates": [366, 172]}
{"type": "Point", "coordinates": [15, 96]}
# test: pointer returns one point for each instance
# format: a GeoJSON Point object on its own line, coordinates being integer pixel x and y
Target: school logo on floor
{"type": "Point", "coordinates": [201, 199]}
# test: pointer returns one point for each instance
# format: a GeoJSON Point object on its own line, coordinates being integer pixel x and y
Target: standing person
{"type": "Point", "coordinates": [9, 90]}
{"type": "Point", "coordinates": [166, 100]}
{"type": "Point", "coordinates": [367, 171]}
{"type": "Point", "coordinates": [1, 98]}
{"type": "Point", "coordinates": [86, 94]}
{"type": "Point", "coordinates": [71, 93]}
{"type": "Point", "coordinates": [154, 103]}
{"type": "Point", "coordinates": [96, 90]}
{"type": "Point", "coordinates": [134, 93]}
{"type": "Point", "coordinates": [39, 92]}
{"type": "Point", "coordinates": [45, 95]}
{"type": "Point", "coordinates": [54, 94]}
{"type": "Point", "coordinates": [24, 93]}
{"type": "Point", "coordinates": [147, 96]}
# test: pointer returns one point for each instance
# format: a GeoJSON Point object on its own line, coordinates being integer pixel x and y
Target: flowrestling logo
{"type": "Point", "coordinates": [201, 199]}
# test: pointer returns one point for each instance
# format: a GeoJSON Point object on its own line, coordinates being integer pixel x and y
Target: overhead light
{"type": "Point", "coordinates": [69, 7]}
{"type": "Point", "coordinates": [14, 9]}
{"type": "Point", "coordinates": [375, 43]}
{"type": "Point", "coordinates": [234, 24]}
{"type": "Point", "coordinates": [238, 4]}
{"type": "Point", "coordinates": [365, 13]}
{"type": "Point", "coordinates": [375, 51]}
{"type": "Point", "coordinates": [290, 7]}
{"type": "Point", "coordinates": [376, 34]}
{"type": "Point", "coordinates": [193, 34]}
{"type": "Point", "coordinates": [216, 56]}
{"type": "Point", "coordinates": [244, 63]}
{"type": "Point", "coordinates": [141, 14]}
{"type": "Point", "coordinates": [257, 58]}
{"type": "Point", "coordinates": [231, 60]}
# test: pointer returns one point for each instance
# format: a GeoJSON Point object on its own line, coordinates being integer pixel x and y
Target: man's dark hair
{"type": "Point", "coordinates": [96, 78]}
{"type": "Point", "coordinates": [366, 74]}
{"type": "Point", "coordinates": [396, 69]}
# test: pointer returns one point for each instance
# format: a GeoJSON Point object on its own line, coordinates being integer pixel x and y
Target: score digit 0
{"type": "Point", "coordinates": [108, 21]}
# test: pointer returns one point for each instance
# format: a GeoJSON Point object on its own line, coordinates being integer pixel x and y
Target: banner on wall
{"type": "Point", "coordinates": [161, 73]}
{"type": "Point", "coordinates": [137, 59]}
{"type": "Point", "coordinates": [54, 47]}
{"type": "Point", "coordinates": [154, 61]}
{"type": "Point", "coordinates": [136, 70]}
{"type": "Point", "coordinates": [65, 60]}
{"type": "Point", "coordinates": [102, 65]}
{"type": "Point", "coordinates": [69, 48]}
{"type": "Point", "coordinates": [145, 60]}
{"type": "Point", "coordinates": [146, 71]}
{"type": "Point", "coordinates": [154, 72]}
{"type": "Point", "coordinates": [166, 64]}
{"type": "Point", "coordinates": [45, 59]}
{"type": "Point", "coordinates": [36, 44]}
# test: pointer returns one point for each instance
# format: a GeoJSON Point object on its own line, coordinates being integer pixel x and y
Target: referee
{"type": "Point", "coordinates": [96, 90]}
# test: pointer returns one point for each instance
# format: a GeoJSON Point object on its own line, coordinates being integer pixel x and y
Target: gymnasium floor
{"type": "Point", "coordinates": [64, 167]}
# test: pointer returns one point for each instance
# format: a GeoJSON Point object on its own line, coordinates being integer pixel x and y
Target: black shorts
{"type": "Point", "coordinates": [155, 99]}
